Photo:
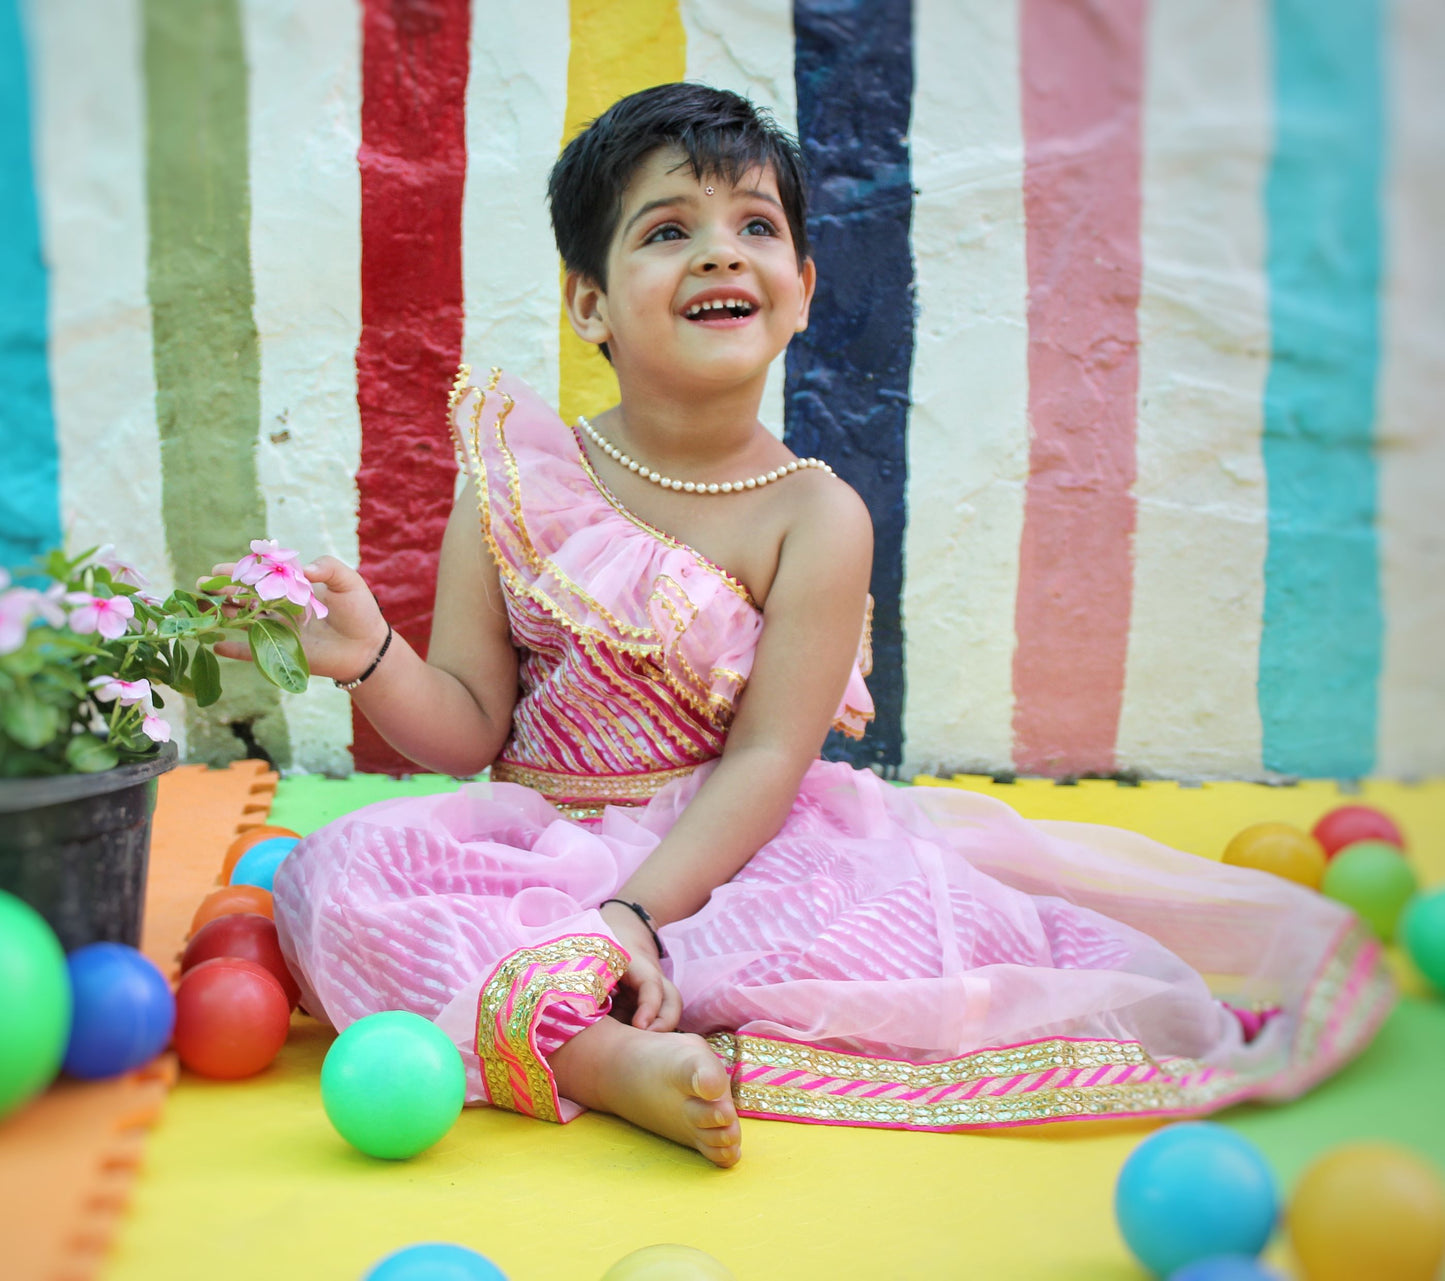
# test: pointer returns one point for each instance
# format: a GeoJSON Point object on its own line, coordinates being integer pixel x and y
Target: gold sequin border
{"type": "Point", "coordinates": [513, 1045]}
{"type": "Point", "coordinates": [585, 787]}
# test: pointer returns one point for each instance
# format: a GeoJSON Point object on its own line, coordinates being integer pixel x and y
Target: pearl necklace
{"type": "Point", "coordinates": [698, 487]}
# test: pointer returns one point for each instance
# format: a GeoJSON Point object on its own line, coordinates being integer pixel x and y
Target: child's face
{"type": "Point", "coordinates": [682, 242]}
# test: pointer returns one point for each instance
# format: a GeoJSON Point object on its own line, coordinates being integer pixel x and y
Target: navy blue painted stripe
{"type": "Point", "coordinates": [847, 375]}
{"type": "Point", "coordinates": [30, 494]}
{"type": "Point", "coordinates": [1321, 648]}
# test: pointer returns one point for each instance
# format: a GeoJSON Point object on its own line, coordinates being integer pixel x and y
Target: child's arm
{"type": "Point", "coordinates": [452, 712]}
{"type": "Point", "coordinates": [813, 621]}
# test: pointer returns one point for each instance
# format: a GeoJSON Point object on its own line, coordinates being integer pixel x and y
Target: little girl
{"type": "Point", "coordinates": [645, 625]}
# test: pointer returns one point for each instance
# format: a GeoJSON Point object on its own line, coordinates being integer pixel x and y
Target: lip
{"type": "Point", "coordinates": [719, 294]}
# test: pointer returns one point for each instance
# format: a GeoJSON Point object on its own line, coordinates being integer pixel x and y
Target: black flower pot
{"type": "Point", "coordinates": [75, 847]}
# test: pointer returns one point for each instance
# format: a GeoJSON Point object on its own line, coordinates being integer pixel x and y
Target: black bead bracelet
{"type": "Point", "coordinates": [644, 916]}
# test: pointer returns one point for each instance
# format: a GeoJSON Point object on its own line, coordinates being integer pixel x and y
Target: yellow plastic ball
{"type": "Point", "coordinates": [1280, 848]}
{"type": "Point", "coordinates": [1368, 1210]}
{"type": "Point", "coordinates": [667, 1263]}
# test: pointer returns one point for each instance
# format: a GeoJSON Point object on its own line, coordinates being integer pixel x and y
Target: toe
{"type": "Point", "coordinates": [710, 1114]}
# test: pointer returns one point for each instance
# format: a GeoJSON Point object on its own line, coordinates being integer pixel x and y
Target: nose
{"type": "Point", "coordinates": [718, 252]}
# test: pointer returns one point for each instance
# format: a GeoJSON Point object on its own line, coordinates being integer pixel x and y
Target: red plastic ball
{"type": "Point", "coordinates": [245, 935]}
{"type": "Point", "coordinates": [230, 899]}
{"type": "Point", "coordinates": [1350, 824]}
{"type": "Point", "coordinates": [231, 1018]}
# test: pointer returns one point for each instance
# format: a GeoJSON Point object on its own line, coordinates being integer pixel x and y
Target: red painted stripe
{"type": "Point", "coordinates": [1082, 81]}
{"type": "Point", "coordinates": [413, 162]}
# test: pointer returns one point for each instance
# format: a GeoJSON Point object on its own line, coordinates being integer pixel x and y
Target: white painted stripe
{"type": "Point", "coordinates": [1190, 705]}
{"type": "Point", "coordinates": [90, 160]}
{"type": "Point", "coordinates": [968, 431]}
{"type": "Point", "coordinates": [1412, 441]}
{"type": "Point", "coordinates": [516, 102]}
{"type": "Point", "coordinates": [305, 123]}
{"type": "Point", "coordinates": [747, 46]}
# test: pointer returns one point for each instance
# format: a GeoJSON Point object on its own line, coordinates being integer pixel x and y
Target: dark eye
{"type": "Point", "coordinates": [668, 231]}
{"type": "Point", "coordinates": [760, 227]}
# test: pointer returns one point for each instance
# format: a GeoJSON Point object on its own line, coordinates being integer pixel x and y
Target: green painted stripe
{"type": "Point", "coordinates": [207, 354]}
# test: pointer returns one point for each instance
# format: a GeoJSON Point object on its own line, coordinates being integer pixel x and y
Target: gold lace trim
{"type": "Point", "coordinates": [588, 787]}
{"type": "Point", "coordinates": [513, 1046]}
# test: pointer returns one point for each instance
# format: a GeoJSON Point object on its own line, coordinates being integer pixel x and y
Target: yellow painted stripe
{"type": "Point", "coordinates": [617, 47]}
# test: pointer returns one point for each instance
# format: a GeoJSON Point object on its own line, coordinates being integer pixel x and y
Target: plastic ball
{"type": "Point", "coordinates": [435, 1261]}
{"type": "Point", "coordinates": [1194, 1191]}
{"type": "Point", "coordinates": [1280, 848]}
{"type": "Point", "coordinates": [35, 1002]}
{"type": "Point", "coordinates": [231, 1018]}
{"type": "Point", "coordinates": [257, 866]}
{"type": "Point", "coordinates": [1374, 879]}
{"type": "Point", "coordinates": [667, 1263]}
{"type": "Point", "coordinates": [1225, 1267]}
{"type": "Point", "coordinates": [230, 899]}
{"type": "Point", "coordinates": [253, 836]}
{"type": "Point", "coordinates": [1368, 1210]}
{"type": "Point", "coordinates": [1422, 928]}
{"type": "Point", "coordinates": [246, 935]}
{"type": "Point", "coordinates": [124, 1011]}
{"type": "Point", "coordinates": [1349, 824]}
{"type": "Point", "coordinates": [393, 1084]}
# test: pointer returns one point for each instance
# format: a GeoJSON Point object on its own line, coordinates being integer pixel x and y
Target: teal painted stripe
{"type": "Point", "coordinates": [30, 495]}
{"type": "Point", "coordinates": [1322, 642]}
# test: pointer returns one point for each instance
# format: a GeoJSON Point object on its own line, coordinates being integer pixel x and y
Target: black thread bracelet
{"type": "Point", "coordinates": [375, 662]}
{"type": "Point", "coordinates": [644, 916]}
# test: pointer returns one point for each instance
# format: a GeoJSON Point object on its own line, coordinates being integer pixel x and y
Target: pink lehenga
{"type": "Point", "coordinates": [919, 958]}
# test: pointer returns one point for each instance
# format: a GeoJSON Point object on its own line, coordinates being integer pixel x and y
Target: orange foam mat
{"type": "Point", "coordinates": [68, 1159]}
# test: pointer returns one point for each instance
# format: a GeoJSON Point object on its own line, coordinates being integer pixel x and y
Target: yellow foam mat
{"type": "Point", "coordinates": [247, 1180]}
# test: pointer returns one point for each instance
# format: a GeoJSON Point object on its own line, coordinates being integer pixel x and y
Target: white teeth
{"type": "Point", "coordinates": [718, 305]}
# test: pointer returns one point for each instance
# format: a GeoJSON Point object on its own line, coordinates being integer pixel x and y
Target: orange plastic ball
{"type": "Point", "coordinates": [1280, 848]}
{"type": "Point", "coordinates": [1368, 1210]}
{"type": "Point", "coordinates": [230, 899]}
{"type": "Point", "coordinates": [251, 837]}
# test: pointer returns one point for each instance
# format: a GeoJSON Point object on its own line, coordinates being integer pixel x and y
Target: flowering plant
{"type": "Point", "coordinates": [85, 648]}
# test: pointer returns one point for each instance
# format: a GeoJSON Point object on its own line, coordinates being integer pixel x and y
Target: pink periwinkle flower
{"type": "Point", "coordinates": [20, 606]}
{"type": "Point", "coordinates": [122, 571]}
{"type": "Point", "coordinates": [273, 572]}
{"type": "Point", "coordinates": [155, 729]}
{"type": "Point", "coordinates": [108, 615]}
{"type": "Point", "coordinates": [110, 689]}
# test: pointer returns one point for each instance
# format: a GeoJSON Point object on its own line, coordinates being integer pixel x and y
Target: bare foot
{"type": "Point", "coordinates": [668, 1082]}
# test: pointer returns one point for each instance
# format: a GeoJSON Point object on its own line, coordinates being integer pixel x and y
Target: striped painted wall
{"type": "Point", "coordinates": [1130, 330]}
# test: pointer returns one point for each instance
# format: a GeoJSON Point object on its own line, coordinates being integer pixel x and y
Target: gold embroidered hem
{"type": "Point", "coordinates": [515, 997]}
{"type": "Point", "coordinates": [600, 789]}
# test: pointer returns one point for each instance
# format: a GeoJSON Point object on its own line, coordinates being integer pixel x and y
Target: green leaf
{"type": "Point", "coordinates": [89, 755]}
{"type": "Point", "coordinates": [216, 584]}
{"type": "Point", "coordinates": [206, 677]}
{"type": "Point", "coordinates": [278, 655]}
{"type": "Point", "coordinates": [28, 721]}
{"type": "Point", "coordinates": [184, 625]}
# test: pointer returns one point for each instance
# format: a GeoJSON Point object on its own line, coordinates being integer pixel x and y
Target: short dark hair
{"type": "Point", "coordinates": [722, 135]}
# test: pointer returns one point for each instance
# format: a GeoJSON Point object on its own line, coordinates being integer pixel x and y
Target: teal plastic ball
{"type": "Point", "coordinates": [435, 1261]}
{"type": "Point", "coordinates": [393, 1084]}
{"type": "Point", "coordinates": [1194, 1191]}
{"type": "Point", "coordinates": [1422, 929]}
{"type": "Point", "coordinates": [1375, 880]}
{"type": "Point", "coordinates": [258, 865]}
{"type": "Point", "coordinates": [1226, 1267]}
{"type": "Point", "coordinates": [35, 1002]}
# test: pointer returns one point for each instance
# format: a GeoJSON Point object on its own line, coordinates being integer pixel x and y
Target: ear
{"type": "Point", "coordinates": [586, 308]}
{"type": "Point", "coordinates": [809, 274]}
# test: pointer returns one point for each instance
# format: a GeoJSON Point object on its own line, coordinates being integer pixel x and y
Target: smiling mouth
{"type": "Point", "coordinates": [720, 309]}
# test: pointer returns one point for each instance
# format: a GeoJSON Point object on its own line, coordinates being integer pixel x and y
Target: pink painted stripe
{"type": "Point", "coordinates": [1082, 83]}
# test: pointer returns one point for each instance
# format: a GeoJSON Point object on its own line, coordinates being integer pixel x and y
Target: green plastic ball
{"type": "Point", "coordinates": [1422, 929]}
{"type": "Point", "coordinates": [1374, 879]}
{"type": "Point", "coordinates": [35, 1002]}
{"type": "Point", "coordinates": [393, 1084]}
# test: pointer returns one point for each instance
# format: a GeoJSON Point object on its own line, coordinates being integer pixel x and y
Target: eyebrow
{"type": "Point", "coordinates": [664, 201]}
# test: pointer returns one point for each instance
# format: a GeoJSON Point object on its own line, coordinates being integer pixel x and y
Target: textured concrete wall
{"type": "Point", "coordinates": [1082, 279]}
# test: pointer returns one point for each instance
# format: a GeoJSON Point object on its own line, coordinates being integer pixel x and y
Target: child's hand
{"type": "Point", "coordinates": [345, 642]}
{"type": "Point", "coordinates": [658, 1002]}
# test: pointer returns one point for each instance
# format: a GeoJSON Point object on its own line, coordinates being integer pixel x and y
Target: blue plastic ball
{"type": "Point", "coordinates": [257, 866]}
{"type": "Point", "coordinates": [124, 1011]}
{"type": "Point", "coordinates": [435, 1261]}
{"type": "Point", "coordinates": [1194, 1191]}
{"type": "Point", "coordinates": [1225, 1267]}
